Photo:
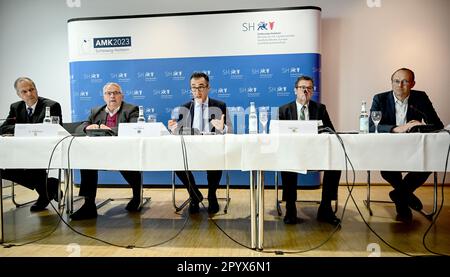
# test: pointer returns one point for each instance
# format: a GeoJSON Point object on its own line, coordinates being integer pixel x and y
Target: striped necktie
{"type": "Point", "coordinates": [302, 113]}
{"type": "Point", "coordinates": [29, 112]}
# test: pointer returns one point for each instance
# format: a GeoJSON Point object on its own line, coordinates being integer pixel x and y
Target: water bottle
{"type": "Point", "coordinates": [141, 118]}
{"type": "Point", "coordinates": [252, 120]}
{"type": "Point", "coordinates": [363, 119]}
{"type": "Point", "coordinates": [47, 118]}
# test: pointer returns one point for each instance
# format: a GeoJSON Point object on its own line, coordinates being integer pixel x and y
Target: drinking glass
{"type": "Point", "coordinates": [152, 118]}
{"type": "Point", "coordinates": [376, 117]}
{"type": "Point", "coordinates": [263, 118]}
{"type": "Point", "coordinates": [55, 119]}
{"type": "Point", "coordinates": [175, 113]}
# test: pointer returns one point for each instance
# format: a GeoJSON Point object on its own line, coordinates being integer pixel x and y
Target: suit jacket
{"type": "Point", "coordinates": [127, 113]}
{"type": "Point", "coordinates": [316, 111]}
{"type": "Point", "coordinates": [419, 107]}
{"type": "Point", "coordinates": [215, 110]}
{"type": "Point", "coordinates": [18, 114]}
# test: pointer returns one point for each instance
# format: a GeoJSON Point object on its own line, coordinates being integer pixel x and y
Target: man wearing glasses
{"type": "Point", "coordinates": [402, 109]}
{"type": "Point", "coordinates": [303, 108]}
{"type": "Point", "coordinates": [208, 116]}
{"type": "Point", "coordinates": [108, 117]}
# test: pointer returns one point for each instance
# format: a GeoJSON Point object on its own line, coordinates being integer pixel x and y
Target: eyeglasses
{"type": "Point", "coordinates": [402, 82]}
{"type": "Point", "coordinates": [304, 87]}
{"type": "Point", "coordinates": [111, 93]}
{"type": "Point", "coordinates": [201, 88]}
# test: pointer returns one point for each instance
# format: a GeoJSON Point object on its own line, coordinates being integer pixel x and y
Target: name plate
{"type": "Point", "coordinates": [150, 129]}
{"type": "Point", "coordinates": [294, 126]}
{"type": "Point", "coordinates": [39, 130]}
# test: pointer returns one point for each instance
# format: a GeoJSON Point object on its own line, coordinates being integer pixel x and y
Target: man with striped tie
{"type": "Point", "coordinates": [303, 108]}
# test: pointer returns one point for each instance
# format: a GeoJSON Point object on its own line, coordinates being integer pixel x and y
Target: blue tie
{"type": "Point", "coordinates": [30, 112]}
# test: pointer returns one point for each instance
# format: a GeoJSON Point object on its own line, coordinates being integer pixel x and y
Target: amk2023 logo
{"type": "Point", "coordinates": [260, 26]}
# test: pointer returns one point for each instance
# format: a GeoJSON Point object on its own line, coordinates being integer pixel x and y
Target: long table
{"type": "Point", "coordinates": [255, 153]}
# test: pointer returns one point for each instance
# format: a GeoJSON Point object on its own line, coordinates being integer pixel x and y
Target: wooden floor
{"type": "Point", "coordinates": [159, 231]}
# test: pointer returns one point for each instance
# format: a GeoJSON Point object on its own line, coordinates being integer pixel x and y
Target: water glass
{"type": "Point", "coordinates": [376, 118]}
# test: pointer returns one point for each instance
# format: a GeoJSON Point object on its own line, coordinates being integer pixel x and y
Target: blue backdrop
{"type": "Point", "coordinates": [162, 84]}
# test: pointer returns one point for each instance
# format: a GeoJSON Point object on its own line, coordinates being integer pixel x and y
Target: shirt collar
{"type": "Point", "coordinates": [400, 102]}
{"type": "Point", "coordinates": [205, 104]}
{"type": "Point", "coordinates": [33, 106]}
{"type": "Point", "coordinates": [300, 104]}
{"type": "Point", "coordinates": [111, 113]}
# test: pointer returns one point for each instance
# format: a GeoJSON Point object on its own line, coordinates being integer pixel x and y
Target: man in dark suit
{"type": "Point", "coordinates": [303, 108]}
{"type": "Point", "coordinates": [207, 115]}
{"type": "Point", "coordinates": [108, 117]}
{"type": "Point", "coordinates": [402, 109]}
{"type": "Point", "coordinates": [31, 110]}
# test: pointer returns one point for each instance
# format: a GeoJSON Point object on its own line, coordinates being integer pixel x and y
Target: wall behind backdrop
{"type": "Point", "coordinates": [362, 44]}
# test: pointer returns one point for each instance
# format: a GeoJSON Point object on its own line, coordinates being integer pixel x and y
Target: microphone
{"type": "Point", "coordinates": [213, 116]}
{"type": "Point", "coordinates": [428, 128]}
{"type": "Point", "coordinates": [8, 119]}
{"type": "Point", "coordinates": [305, 92]}
{"type": "Point", "coordinates": [416, 110]}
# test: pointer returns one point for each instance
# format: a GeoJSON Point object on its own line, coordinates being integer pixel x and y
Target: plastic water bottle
{"type": "Point", "coordinates": [252, 120]}
{"type": "Point", "coordinates": [141, 118]}
{"type": "Point", "coordinates": [363, 119]}
{"type": "Point", "coordinates": [47, 118]}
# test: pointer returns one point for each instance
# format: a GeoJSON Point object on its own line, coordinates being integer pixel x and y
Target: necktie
{"type": "Point", "coordinates": [302, 113]}
{"type": "Point", "coordinates": [201, 117]}
{"type": "Point", "coordinates": [30, 112]}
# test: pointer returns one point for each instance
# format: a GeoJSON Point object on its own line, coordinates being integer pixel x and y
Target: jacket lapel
{"type": "Point", "coordinates": [391, 107]}
{"type": "Point", "coordinates": [293, 111]}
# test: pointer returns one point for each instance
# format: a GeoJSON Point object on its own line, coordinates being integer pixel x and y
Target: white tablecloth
{"type": "Point", "coordinates": [407, 152]}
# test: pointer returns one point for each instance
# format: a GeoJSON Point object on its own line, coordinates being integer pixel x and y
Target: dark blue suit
{"type": "Point", "coordinates": [419, 108]}
{"type": "Point", "coordinates": [186, 118]}
{"type": "Point", "coordinates": [30, 178]}
{"type": "Point", "coordinates": [331, 178]}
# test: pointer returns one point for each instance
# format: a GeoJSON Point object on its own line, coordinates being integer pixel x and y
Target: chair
{"type": "Point", "coordinates": [18, 205]}
{"type": "Point", "coordinates": [278, 201]}
{"type": "Point", "coordinates": [143, 200]}
{"type": "Point", "coordinates": [179, 208]}
{"type": "Point", "coordinates": [428, 215]}
{"type": "Point", "coordinates": [72, 128]}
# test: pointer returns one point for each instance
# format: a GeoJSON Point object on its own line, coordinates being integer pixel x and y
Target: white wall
{"type": "Point", "coordinates": [361, 46]}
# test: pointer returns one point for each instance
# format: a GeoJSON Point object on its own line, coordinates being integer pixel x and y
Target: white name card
{"type": "Point", "coordinates": [294, 126]}
{"type": "Point", "coordinates": [39, 130]}
{"type": "Point", "coordinates": [150, 129]}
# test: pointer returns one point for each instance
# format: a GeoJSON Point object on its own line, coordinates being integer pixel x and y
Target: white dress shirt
{"type": "Point", "coordinates": [401, 107]}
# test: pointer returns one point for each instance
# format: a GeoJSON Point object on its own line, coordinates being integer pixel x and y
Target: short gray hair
{"type": "Point", "coordinates": [20, 79]}
{"type": "Point", "coordinates": [112, 84]}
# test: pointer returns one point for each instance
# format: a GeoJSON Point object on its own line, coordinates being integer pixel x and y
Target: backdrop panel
{"type": "Point", "coordinates": [250, 55]}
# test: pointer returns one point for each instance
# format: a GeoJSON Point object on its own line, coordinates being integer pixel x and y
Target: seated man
{"type": "Point", "coordinates": [306, 109]}
{"type": "Point", "coordinates": [206, 115]}
{"type": "Point", "coordinates": [108, 117]}
{"type": "Point", "coordinates": [401, 109]}
{"type": "Point", "coordinates": [31, 110]}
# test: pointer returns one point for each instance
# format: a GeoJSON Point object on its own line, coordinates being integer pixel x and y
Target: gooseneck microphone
{"type": "Point", "coordinates": [416, 110]}
{"type": "Point", "coordinates": [13, 119]}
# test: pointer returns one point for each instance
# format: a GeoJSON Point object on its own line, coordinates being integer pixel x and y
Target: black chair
{"type": "Point", "coordinates": [186, 202]}
{"type": "Point", "coordinates": [278, 201]}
